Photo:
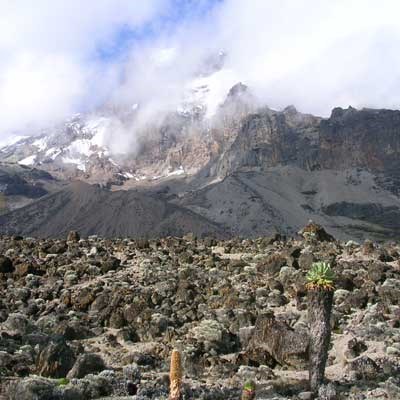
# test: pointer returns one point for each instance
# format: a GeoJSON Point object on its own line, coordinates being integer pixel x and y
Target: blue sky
{"type": "Point", "coordinates": [179, 11]}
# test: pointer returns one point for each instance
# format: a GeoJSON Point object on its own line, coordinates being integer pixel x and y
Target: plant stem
{"type": "Point", "coordinates": [319, 314]}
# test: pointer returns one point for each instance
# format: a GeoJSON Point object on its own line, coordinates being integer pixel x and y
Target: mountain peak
{"type": "Point", "coordinates": [291, 109]}
{"type": "Point", "coordinates": [237, 90]}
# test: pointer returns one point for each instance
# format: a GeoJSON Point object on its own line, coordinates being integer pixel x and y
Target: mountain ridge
{"type": "Point", "coordinates": [251, 171]}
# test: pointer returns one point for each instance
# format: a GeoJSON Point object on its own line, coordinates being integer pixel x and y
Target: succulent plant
{"type": "Point", "coordinates": [320, 287]}
{"type": "Point", "coordinates": [249, 391]}
{"type": "Point", "coordinates": [320, 277]}
{"type": "Point", "coordinates": [175, 376]}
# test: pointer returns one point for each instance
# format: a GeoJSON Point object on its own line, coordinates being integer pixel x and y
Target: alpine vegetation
{"type": "Point", "coordinates": [249, 391]}
{"type": "Point", "coordinates": [320, 287]}
{"type": "Point", "coordinates": [175, 376]}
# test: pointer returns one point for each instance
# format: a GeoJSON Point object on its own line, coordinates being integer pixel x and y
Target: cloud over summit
{"type": "Point", "coordinates": [60, 57]}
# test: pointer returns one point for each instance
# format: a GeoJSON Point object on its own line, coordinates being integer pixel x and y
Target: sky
{"type": "Point", "coordinates": [59, 57]}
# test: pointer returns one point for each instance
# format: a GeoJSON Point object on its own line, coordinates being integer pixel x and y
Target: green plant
{"type": "Point", "coordinates": [249, 391]}
{"type": "Point", "coordinates": [320, 277]}
{"type": "Point", "coordinates": [320, 285]}
{"type": "Point", "coordinates": [62, 381]}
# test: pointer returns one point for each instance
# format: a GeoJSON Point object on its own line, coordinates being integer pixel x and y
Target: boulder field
{"type": "Point", "coordinates": [91, 318]}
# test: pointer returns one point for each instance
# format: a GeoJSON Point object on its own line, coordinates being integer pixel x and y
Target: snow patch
{"type": "Point", "coordinates": [41, 144]}
{"type": "Point", "coordinates": [11, 140]}
{"type": "Point", "coordinates": [80, 146]}
{"type": "Point", "coordinates": [100, 128]}
{"type": "Point", "coordinates": [208, 92]}
{"type": "Point", "coordinates": [179, 171]}
{"type": "Point", "coordinates": [28, 160]}
{"type": "Point", "coordinates": [79, 163]}
{"type": "Point", "coordinates": [53, 153]}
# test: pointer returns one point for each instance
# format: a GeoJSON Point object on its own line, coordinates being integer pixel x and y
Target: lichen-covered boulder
{"type": "Point", "coordinates": [276, 338]}
{"type": "Point", "coordinates": [86, 364]}
{"type": "Point", "coordinates": [315, 232]}
{"type": "Point", "coordinates": [55, 360]}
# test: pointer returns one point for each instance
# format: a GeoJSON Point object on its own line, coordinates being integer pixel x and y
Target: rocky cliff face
{"type": "Point", "coordinates": [239, 136]}
{"type": "Point", "coordinates": [248, 169]}
{"type": "Point", "coordinates": [269, 138]}
{"type": "Point", "coordinates": [364, 138]}
{"type": "Point", "coordinates": [367, 138]}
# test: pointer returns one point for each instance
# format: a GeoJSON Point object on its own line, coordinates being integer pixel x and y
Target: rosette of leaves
{"type": "Point", "coordinates": [249, 391]}
{"type": "Point", "coordinates": [320, 277]}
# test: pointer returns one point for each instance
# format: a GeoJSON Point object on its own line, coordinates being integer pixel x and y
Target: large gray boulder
{"type": "Point", "coordinates": [277, 340]}
{"type": "Point", "coordinates": [6, 265]}
{"type": "Point", "coordinates": [86, 364]}
{"type": "Point", "coordinates": [32, 388]}
{"type": "Point", "coordinates": [55, 360]}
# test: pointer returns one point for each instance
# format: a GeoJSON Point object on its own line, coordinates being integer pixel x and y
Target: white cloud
{"type": "Point", "coordinates": [39, 89]}
{"type": "Point", "coordinates": [49, 66]}
{"type": "Point", "coordinates": [315, 54]}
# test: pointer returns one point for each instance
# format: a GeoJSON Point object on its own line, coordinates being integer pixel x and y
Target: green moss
{"type": "Point", "coordinates": [62, 381]}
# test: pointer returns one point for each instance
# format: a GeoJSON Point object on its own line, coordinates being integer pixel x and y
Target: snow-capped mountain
{"type": "Point", "coordinates": [114, 146]}
{"type": "Point", "coordinates": [66, 147]}
{"type": "Point", "coordinates": [248, 174]}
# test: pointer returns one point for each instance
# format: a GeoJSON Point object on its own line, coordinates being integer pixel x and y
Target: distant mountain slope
{"type": "Point", "coordinates": [253, 172]}
{"type": "Point", "coordinates": [93, 210]}
{"type": "Point", "coordinates": [282, 199]}
{"type": "Point", "coordinates": [247, 204]}
{"type": "Point", "coordinates": [21, 185]}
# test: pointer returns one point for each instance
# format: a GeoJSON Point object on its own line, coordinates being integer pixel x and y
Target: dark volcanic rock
{"type": "Point", "coordinates": [144, 215]}
{"type": "Point", "coordinates": [364, 368]}
{"type": "Point", "coordinates": [285, 345]}
{"type": "Point", "coordinates": [73, 236]}
{"type": "Point", "coordinates": [55, 360]}
{"type": "Point", "coordinates": [86, 364]}
{"type": "Point", "coordinates": [110, 265]}
{"type": "Point", "coordinates": [236, 309]}
{"type": "Point", "coordinates": [313, 231]}
{"type": "Point", "coordinates": [19, 324]}
{"type": "Point", "coordinates": [26, 268]}
{"type": "Point", "coordinates": [6, 265]}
